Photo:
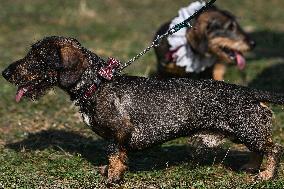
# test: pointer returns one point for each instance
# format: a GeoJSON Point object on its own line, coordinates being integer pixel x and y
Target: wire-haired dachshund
{"type": "Point", "coordinates": [216, 38]}
{"type": "Point", "coordinates": [135, 113]}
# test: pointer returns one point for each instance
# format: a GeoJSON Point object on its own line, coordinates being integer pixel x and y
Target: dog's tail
{"type": "Point", "coordinates": [265, 96]}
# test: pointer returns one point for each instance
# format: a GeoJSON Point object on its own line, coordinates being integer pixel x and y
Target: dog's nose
{"type": "Point", "coordinates": [252, 44]}
{"type": "Point", "coordinates": [6, 74]}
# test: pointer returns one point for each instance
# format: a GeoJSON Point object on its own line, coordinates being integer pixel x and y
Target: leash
{"type": "Point", "coordinates": [114, 67]}
{"type": "Point", "coordinates": [171, 31]}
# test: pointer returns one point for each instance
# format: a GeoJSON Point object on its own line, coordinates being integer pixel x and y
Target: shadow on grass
{"type": "Point", "coordinates": [92, 150]}
{"type": "Point", "coordinates": [270, 44]}
{"type": "Point", "coordinates": [163, 157]}
{"type": "Point", "coordinates": [271, 79]}
{"type": "Point", "coordinates": [156, 158]}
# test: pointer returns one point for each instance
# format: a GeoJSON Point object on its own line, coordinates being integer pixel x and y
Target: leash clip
{"type": "Point", "coordinates": [107, 71]}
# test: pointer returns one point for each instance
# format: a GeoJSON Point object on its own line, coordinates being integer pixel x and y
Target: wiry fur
{"type": "Point", "coordinates": [135, 113]}
{"type": "Point", "coordinates": [213, 30]}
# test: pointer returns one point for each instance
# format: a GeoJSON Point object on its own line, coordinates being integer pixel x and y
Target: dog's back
{"type": "Point", "coordinates": [160, 110]}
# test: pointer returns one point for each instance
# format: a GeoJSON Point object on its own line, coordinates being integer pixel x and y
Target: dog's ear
{"type": "Point", "coordinates": [197, 39]}
{"type": "Point", "coordinates": [71, 58]}
{"type": "Point", "coordinates": [73, 64]}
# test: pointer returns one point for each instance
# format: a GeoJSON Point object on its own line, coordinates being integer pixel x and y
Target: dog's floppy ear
{"type": "Point", "coordinates": [71, 57]}
{"type": "Point", "coordinates": [197, 39]}
{"type": "Point", "coordinates": [73, 64]}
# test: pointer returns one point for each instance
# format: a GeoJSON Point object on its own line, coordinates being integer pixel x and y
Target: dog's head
{"type": "Point", "coordinates": [217, 32]}
{"type": "Point", "coordinates": [52, 61]}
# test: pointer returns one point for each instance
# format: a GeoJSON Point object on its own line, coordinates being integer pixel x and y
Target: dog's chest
{"type": "Point", "coordinates": [83, 111]}
{"type": "Point", "coordinates": [86, 118]}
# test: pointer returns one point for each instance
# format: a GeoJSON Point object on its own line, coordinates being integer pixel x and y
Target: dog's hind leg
{"type": "Point", "coordinates": [273, 155]}
{"type": "Point", "coordinates": [261, 143]}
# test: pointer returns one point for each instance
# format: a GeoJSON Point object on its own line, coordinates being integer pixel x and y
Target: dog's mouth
{"type": "Point", "coordinates": [32, 91]}
{"type": "Point", "coordinates": [236, 56]}
{"type": "Point", "coordinates": [22, 90]}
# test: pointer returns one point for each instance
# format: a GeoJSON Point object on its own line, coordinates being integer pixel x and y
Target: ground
{"type": "Point", "coordinates": [44, 144]}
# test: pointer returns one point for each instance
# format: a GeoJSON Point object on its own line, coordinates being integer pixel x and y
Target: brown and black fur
{"type": "Point", "coordinates": [215, 34]}
{"type": "Point", "coordinates": [135, 113]}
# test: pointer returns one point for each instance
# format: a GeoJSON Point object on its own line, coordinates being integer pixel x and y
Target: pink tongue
{"type": "Point", "coordinates": [20, 94]}
{"type": "Point", "coordinates": [241, 61]}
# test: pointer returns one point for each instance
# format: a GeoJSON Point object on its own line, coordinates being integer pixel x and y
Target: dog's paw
{"type": "Point", "coordinates": [264, 176]}
{"type": "Point", "coordinates": [113, 180]}
{"type": "Point", "coordinates": [103, 170]}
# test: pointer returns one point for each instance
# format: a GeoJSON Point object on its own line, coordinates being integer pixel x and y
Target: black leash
{"type": "Point", "coordinates": [171, 31]}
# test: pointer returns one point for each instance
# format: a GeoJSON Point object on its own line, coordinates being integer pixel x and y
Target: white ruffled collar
{"type": "Point", "coordinates": [183, 54]}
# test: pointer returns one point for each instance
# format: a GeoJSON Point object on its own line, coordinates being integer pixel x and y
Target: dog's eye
{"type": "Point", "coordinates": [231, 26]}
{"type": "Point", "coordinates": [213, 26]}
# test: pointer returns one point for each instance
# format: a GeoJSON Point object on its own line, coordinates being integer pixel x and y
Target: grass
{"type": "Point", "coordinates": [45, 144]}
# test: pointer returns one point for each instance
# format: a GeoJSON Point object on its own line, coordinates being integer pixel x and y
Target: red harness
{"type": "Point", "coordinates": [105, 72]}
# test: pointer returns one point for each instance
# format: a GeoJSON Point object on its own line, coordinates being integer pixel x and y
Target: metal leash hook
{"type": "Point", "coordinates": [107, 71]}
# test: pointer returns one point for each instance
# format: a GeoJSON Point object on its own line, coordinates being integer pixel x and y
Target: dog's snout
{"type": "Point", "coordinates": [7, 74]}
{"type": "Point", "coordinates": [252, 43]}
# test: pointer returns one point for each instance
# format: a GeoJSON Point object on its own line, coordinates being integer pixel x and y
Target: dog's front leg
{"type": "Point", "coordinates": [117, 164]}
{"type": "Point", "coordinates": [219, 72]}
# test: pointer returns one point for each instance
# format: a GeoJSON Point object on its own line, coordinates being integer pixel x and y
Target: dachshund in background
{"type": "Point", "coordinates": [199, 52]}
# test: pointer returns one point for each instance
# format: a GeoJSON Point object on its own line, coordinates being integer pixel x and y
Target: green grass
{"type": "Point", "coordinates": [45, 144]}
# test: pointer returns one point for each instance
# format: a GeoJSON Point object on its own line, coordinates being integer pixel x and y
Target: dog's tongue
{"type": "Point", "coordinates": [20, 93]}
{"type": "Point", "coordinates": [241, 61]}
